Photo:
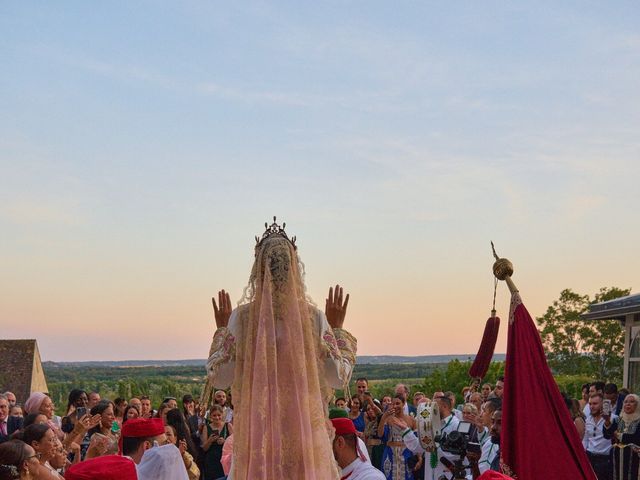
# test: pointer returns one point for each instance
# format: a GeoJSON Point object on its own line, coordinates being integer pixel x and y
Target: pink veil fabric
{"type": "Point", "coordinates": [280, 425]}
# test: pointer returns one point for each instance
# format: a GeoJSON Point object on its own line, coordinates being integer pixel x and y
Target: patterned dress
{"type": "Point", "coordinates": [626, 462]}
{"type": "Point", "coordinates": [395, 456]}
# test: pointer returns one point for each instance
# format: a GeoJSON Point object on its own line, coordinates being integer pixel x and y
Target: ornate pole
{"type": "Point", "coordinates": [503, 269]}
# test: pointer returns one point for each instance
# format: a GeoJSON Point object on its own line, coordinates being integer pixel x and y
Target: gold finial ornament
{"type": "Point", "coordinates": [503, 270]}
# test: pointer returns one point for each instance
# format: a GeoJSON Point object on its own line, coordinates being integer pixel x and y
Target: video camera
{"type": "Point", "coordinates": [458, 443]}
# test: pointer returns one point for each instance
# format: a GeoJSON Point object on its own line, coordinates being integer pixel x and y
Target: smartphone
{"type": "Point", "coordinates": [81, 412]}
{"type": "Point", "coordinates": [606, 408]}
{"type": "Point", "coordinates": [215, 433]}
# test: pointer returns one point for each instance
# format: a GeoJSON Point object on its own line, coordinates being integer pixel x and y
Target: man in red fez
{"type": "Point", "coordinates": [109, 467]}
{"type": "Point", "coordinates": [493, 475]}
{"type": "Point", "coordinates": [348, 454]}
{"type": "Point", "coordinates": [140, 434]}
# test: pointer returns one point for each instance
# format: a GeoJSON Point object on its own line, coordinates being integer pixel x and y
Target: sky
{"type": "Point", "coordinates": [144, 144]}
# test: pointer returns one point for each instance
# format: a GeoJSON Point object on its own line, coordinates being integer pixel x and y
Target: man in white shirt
{"type": "Point", "coordinates": [598, 448]}
{"type": "Point", "coordinates": [449, 424]}
{"type": "Point", "coordinates": [347, 452]}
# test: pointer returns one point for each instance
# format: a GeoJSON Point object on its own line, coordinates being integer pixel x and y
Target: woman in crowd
{"type": "Point", "coordinates": [43, 440]}
{"type": "Point", "coordinates": [189, 463]}
{"type": "Point", "coordinates": [470, 414]}
{"type": "Point", "coordinates": [105, 409]}
{"type": "Point", "coordinates": [395, 455]}
{"type": "Point", "coordinates": [77, 400]}
{"type": "Point", "coordinates": [386, 402]}
{"type": "Point", "coordinates": [623, 432]}
{"type": "Point", "coordinates": [103, 438]}
{"type": "Point", "coordinates": [189, 409]}
{"type": "Point", "coordinates": [35, 418]}
{"type": "Point", "coordinates": [39, 402]}
{"type": "Point", "coordinates": [120, 404]}
{"type": "Point", "coordinates": [341, 403]}
{"type": "Point", "coordinates": [213, 437]}
{"type": "Point", "coordinates": [162, 411]}
{"type": "Point", "coordinates": [16, 411]}
{"type": "Point", "coordinates": [130, 412]}
{"type": "Point", "coordinates": [60, 459]}
{"type": "Point", "coordinates": [356, 415]}
{"type": "Point", "coordinates": [375, 447]}
{"type": "Point", "coordinates": [220, 398]}
{"type": "Point", "coordinates": [18, 461]}
{"type": "Point", "coordinates": [585, 396]}
{"type": "Point", "coordinates": [178, 422]}
{"type": "Point", "coordinates": [578, 417]}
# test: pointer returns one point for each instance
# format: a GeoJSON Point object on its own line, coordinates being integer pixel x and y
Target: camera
{"type": "Point", "coordinates": [458, 442]}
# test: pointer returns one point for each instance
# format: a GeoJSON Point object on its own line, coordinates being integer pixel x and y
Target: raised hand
{"type": "Point", "coordinates": [335, 309]}
{"type": "Point", "coordinates": [223, 312]}
{"type": "Point", "coordinates": [398, 422]}
{"type": "Point", "coordinates": [182, 446]}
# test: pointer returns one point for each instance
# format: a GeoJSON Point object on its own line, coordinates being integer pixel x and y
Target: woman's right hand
{"type": "Point", "coordinates": [398, 422]}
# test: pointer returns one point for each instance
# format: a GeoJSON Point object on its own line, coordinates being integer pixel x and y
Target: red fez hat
{"type": "Point", "coordinates": [143, 427]}
{"type": "Point", "coordinates": [109, 467]}
{"type": "Point", "coordinates": [491, 475]}
{"type": "Point", "coordinates": [343, 426]}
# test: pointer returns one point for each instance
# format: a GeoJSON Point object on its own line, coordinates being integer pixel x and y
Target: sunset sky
{"type": "Point", "coordinates": [144, 144]}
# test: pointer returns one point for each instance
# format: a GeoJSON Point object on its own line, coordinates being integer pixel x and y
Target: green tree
{"type": "Point", "coordinates": [575, 346]}
{"type": "Point", "coordinates": [456, 376]}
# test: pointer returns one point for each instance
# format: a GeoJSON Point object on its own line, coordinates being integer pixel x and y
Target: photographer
{"type": "Point", "coordinates": [489, 459]}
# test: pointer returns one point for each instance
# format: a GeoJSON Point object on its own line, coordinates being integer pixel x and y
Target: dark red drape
{"type": "Point", "coordinates": [538, 440]}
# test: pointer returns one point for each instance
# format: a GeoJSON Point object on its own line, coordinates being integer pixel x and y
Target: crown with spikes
{"type": "Point", "coordinates": [275, 229]}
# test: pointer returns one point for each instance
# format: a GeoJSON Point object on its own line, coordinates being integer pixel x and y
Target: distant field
{"type": "Point", "coordinates": [163, 381]}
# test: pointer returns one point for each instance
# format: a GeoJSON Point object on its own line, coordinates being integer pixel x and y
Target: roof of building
{"type": "Point", "coordinates": [616, 309]}
{"type": "Point", "coordinates": [17, 358]}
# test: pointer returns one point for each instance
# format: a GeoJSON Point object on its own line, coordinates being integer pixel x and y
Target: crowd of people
{"type": "Point", "coordinates": [183, 441]}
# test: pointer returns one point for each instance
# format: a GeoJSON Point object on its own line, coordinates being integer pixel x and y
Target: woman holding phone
{"type": "Point", "coordinates": [395, 457]}
{"type": "Point", "coordinates": [213, 437]}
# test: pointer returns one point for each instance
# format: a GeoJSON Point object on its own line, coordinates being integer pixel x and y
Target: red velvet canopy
{"type": "Point", "coordinates": [538, 439]}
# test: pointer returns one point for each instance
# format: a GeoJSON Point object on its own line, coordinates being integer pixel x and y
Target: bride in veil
{"type": "Point", "coordinates": [282, 357]}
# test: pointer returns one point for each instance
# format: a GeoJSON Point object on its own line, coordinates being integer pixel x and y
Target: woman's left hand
{"type": "Point", "coordinates": [220, 441]}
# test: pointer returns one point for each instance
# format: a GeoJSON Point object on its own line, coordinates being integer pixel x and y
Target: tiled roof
{"type": "Point", "coordinates": [16, 367]}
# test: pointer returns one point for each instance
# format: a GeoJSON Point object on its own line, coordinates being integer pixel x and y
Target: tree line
{"type": "Point", "coordinates": [578, 352]}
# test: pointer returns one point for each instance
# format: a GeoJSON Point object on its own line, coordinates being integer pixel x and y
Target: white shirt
{"type": "Point", "coordinates": [593, 440]}
{"type": "Point", "coordinates": [359, 470]}
{"type": "Point", "coordinates": [483, 436]}
{"type": "Point", "coordinates": [449, 424]}
{"type": "Point", "coordinates": [489, 452]}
